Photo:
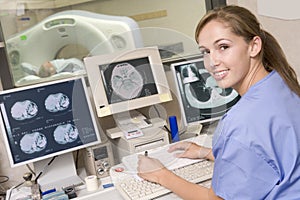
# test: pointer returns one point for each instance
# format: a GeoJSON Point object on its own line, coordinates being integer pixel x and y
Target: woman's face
{"type": "Point", "coordinates": [226, 55]}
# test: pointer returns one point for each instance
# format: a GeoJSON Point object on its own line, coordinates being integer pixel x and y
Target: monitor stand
{"type": "Point", "coordinates": [61, 173]}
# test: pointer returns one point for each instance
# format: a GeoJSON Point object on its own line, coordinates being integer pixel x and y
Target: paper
{"type": "Point", "coordinates": [166, 158]}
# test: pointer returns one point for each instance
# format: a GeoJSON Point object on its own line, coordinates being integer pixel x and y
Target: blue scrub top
{"type": "Point", "coordinates": [257, 145]}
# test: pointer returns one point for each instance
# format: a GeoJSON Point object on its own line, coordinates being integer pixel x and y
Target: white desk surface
{"type": "Point", "coordinates": [101, 194]}
{"type": "Point", "coordinates": [113, 194]}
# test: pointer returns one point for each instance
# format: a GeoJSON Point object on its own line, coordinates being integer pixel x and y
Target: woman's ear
{"type": "Point", "coordinates": [255, 46]}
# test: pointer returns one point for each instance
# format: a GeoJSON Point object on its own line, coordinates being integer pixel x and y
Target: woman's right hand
{"type": "Point", "coordinates": [150, 169]}
{"type": "Point", "coordinates": [190, 150]}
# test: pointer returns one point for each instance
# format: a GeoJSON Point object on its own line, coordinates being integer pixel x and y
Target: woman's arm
{"type": "Point", "coordinates": [192, 150]}
{"type": "Point", "coordinates": [152, 170]}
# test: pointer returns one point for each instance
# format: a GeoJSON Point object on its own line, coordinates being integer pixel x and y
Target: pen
{"type": "Point", "coordinates": [167, 129]}
{"type": "Point", "coordinates": [146, 153]}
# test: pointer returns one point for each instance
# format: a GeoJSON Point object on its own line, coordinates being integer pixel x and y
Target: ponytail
{"type": "Point", "coordinates": [274, 58]}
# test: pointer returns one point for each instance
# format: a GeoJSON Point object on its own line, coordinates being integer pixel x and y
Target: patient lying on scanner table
{"type": "Point", "coordinates": [50, 68]}
{"type": "Point", "coordinates": [54, 68]}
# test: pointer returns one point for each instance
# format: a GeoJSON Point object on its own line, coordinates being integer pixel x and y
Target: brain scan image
{"type": "Point", "coordinates": [126, 81]}
{"type": "Point", "coordinates": [64, 134]}
{"type": "Point", "coordinates": [24, 110]}
{"type": "Point", "coordinates": [57, 102]}
{"type": "Point", "coordinates": [206, 93]}
{"type": "Point", "coordinates": [33, 142]}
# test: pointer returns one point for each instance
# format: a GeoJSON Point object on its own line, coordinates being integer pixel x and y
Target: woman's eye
{"type": "Point", "coordinates": [204, 51]}
{"type": "Point", "coordinates": [224, 47]}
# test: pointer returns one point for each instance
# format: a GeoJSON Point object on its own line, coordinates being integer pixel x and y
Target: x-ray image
{"type": "Point", "coordinates": [190, 74]}
{"type": "Point", "coordinates": [57, 102]}
{"type": "Point", "coordinates": [24, 110]}
{"type": "Point", "coordinates": [201, 98]}
{"type": "Point", "coordinates": [126, 81]}
{"type": "Point", "coordinates": [33, 142]}
{"type": "Point", "coordinates": [205, 92]}
{"type": "Point", "coordinates": [64, 134]}
{"type": "Point", "coordinates": [201, 90]}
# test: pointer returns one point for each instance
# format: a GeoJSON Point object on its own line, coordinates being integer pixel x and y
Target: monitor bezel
{"type": "Point", "coordinates": [184, 120]}
{"type": "Point", "coordinates": [103, 107]}
{"type": "Point", "coordinates": [29, 87]}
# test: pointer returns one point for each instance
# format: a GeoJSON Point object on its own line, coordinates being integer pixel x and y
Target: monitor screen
{"type": "Point", "coordinates": [126, 81]}
{"type": "Point", "coordinates": [140, 81]}
{"type": "Point", "coordinates": [200, 98]}
{"type": "Point", "coordinates": [45, 120]}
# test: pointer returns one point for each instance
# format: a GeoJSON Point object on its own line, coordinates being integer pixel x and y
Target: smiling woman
{"type": "Point", "coordinates": [257, 137]}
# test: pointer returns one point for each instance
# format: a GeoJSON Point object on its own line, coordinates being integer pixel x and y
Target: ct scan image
{"type": "Point", "coordinates": [201, 97]}
{"type": "Point", "coordinates": [127, 80]}
{"type": "Point", "coordinates": [57, 102]}
{"type": "Point", "coordinates": [33, 142]}
{"type": "Point", "coordinates": [46, 119]}
{"type": "Point", "coordinates": [201, 90]}
{"type": "Point", "coordinates": [22, 110]}
{"type": "Point", "coordinates": [64, 134]}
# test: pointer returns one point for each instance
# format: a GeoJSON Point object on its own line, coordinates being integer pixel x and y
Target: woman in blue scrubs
{"type": "Point", "coordinates": [256, 146]}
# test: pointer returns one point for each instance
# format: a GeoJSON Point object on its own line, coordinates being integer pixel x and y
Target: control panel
{"type": "Point", "coordinates": [99, 159]}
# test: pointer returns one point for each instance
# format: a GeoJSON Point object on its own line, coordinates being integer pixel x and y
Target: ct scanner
{"type": "Point", "coordinates": [97, 33]}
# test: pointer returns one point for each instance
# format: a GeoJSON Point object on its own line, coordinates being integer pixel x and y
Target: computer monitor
{"type": "Point", "coordinates": [127, 80]}
{"type": "Point", "coordinates": [201, 100]}
{"type": "Point", "coordinates": [46, 121]}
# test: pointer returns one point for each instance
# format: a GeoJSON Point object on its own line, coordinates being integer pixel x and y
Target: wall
{"type": "Point", "coordinates": [181, 16]}
{"type": "Point", "coordinates": [161, 22]}
{"type": "Point", "coordinates": [287, 32]}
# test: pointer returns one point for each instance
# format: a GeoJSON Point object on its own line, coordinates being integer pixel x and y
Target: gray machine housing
{"type": "Point", "coordinates": [99, 159]}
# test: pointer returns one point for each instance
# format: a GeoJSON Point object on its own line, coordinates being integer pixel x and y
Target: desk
{"type": "Point", "coordinates": [113, 194]}
{"type": "Point", "coordinates": [101, 194]}
{"type": "Point", "coordinates": [105, 194]}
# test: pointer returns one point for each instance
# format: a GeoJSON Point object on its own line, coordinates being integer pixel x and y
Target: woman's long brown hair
{"type": "Point", "coordinates": [243, 23]}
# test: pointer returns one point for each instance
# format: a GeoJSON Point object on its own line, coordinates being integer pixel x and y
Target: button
{"type": "Point", "coordinates": [119, 169]}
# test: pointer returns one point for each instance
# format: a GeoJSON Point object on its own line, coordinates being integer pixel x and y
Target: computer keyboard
{"type": "Point", "coordinates": [132, 188]}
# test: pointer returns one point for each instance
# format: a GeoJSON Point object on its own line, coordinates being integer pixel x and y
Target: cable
{"type": "Point", "coordinates": [5, 179]}
{"type": "Point", "coordinates": [167, 129]}
{"type": "Point", "coordinates": [157, 111]}
{"type": "Point", "coordinates": [30, 169]}
{"type": "Point", "coordinates": [44, 169]}
{"type": "Point", "coordinates": [14, 187]}
{"type": "Point", "coordinates": [77, 159]}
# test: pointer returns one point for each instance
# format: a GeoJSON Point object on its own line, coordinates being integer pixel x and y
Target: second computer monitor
{"type": "Point", "coordinates": [126, 81]}
{"type": "Point", "coordinates": [200, 99]}
{"type": "Point", "coordinates": [44, 120]}
{"type": "Point", "coordinates": [44, 124]}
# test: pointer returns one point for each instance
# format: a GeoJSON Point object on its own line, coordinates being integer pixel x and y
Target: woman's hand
{"type": "Point", "coordinates": [150, 169]}
{"type": "Point", "coordinates": [191, 150]}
